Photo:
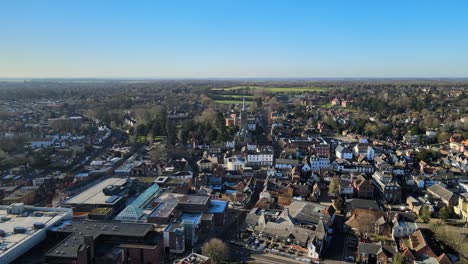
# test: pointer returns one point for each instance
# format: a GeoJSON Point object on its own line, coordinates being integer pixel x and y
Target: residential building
{"type": "Point", "coordinates": [438, 191]}
{"type": "Point", "coordinates": [24, 195]}
{"type": "Point", "coordinates": [388, 188]}
{"type": "Point", "coordinates": [364, 149]}
{"type": "Point", "coordinates": [261, 157]}
{"type": "Point", "coordinates": [319, 163]}
{"type": "Point", "coordinates": [235, 163]}
{"type": "Point", "coordinates": [363, 188]}
{"type": "Point", "coordinates": [375, 253]}
{"type": "Point", "coordinates": [462, 208]}
{"type": "Point", "coordinates": [342, 152]}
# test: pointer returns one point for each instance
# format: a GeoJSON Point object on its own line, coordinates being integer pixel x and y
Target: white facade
{"type": "Point", "coordinates": [344, 155]}
{"type": "Point", "coordinates": [235, 163]}
{"type": "Point", "coordinates": [43, 143]}
{"type": "Point", "coordinates": [261, 158]}
{"type": "Point", "coordinates": [402, 229]}
{"type": "Point", "coordinates": [320, 163]}
{"type": "Point", "coordinates": [369, 152]}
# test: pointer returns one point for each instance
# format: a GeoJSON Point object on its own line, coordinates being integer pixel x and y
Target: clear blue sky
{"type": "Point", "coordinates": [222, 38]}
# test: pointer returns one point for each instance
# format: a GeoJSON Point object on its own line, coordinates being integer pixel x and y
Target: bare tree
{"type": "Point", "coordinates": [334, 187]}
{"type": "Point", "coordinates": [158, 153]}
{"type": "Point", "coordinates": [366, 224]}
{"type": "Point", "coordinates": [216, 250]}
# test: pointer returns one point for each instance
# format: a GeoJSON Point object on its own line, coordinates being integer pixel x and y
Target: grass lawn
{"type": "Point", "coordinates": [328, 105]}
{"type": "Point", "coordinates": [275, 89]}
{"type": "Point", "coordinates": [231, 102]}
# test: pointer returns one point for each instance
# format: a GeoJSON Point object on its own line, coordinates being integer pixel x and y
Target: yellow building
{"type": "Point", "coordinates": [462, 208]}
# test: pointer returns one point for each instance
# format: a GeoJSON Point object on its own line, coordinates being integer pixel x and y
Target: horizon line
{"type": "Point", "coordinates": [232, 78]}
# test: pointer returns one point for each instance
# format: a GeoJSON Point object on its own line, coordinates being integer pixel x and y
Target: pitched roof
{"type": "Point", "coordinates": [365, 216]}
{"type": "Point", "coordinates": [352, 204]}
{"type": "Point", "coordinates": [375, 249]}
{"type": "Point", "coordinates": [441, 192]}
{"type": "Point", "coordinates": [308, 212]}
{"type": "Point", "coordinates": [419, 244]}
{"type": "Point", "coordinates": [444, 259]}
{"type": "Point", "coordinates": [285, 218]}
{"type": "Point", "coordinates": [300, 234]}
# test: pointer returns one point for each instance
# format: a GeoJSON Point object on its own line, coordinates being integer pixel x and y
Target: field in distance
{"type": "Point", "coordinates": [275, 89]}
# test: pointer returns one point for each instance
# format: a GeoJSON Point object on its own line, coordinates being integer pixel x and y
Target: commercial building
{"type": "Point", "coordinates": [135, 211]}
{"type": "Point", "coordinates": [171, 205]}
{"type": "Point", "coordinates": [92, 241]}
{"type": "Point", "coordinates": [23, 227]}
{"type": "Point", "coordinates": [107, 193]}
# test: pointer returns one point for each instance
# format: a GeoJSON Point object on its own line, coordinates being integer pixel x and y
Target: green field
{"type": "Point", "coordinates": [275, 89]}
{"type": "Point", "coordinates": [231, 102]}
{"type": "Point", "coordinates": [327, 105]}
{"type": "Point", "coordinates": [236, 95]}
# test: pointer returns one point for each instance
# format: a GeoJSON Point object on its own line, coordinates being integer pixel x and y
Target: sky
{"type": "Point", "coordinates": [233, 39]}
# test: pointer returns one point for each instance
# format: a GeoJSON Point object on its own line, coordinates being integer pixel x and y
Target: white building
{"type": "Point", "coordinates": [342, 152]}
{"type": "Point", "coordinates": [23, 227]}
{"type": "Point", "coordinates": [260, 157]}
{"type": "Point", "coordinates": [286, 163]}
{"type": "Point", "coordinates": [235, 163]}
{"type": "Point", "coordinates": [318, 163]}
{"type": "Point", "coordinates": [364, 149]}
{"type": "Point", "coordinates": [43, 142]}
{"type": "Point", "coordinates": [403, 229]}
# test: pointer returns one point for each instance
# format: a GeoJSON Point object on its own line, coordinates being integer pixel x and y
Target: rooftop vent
{"type": "Point", "coordinates": [38, 225]}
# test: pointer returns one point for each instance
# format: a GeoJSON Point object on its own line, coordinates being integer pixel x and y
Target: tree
{"type": "Point", "coordinates": [338, 203]}
{"type": "Point", "coordinates": [207, 116]}
{"type": "Point", "coordinates": [158, 153]}
{"type": "Point", "coordinates": [366, 224]}
{"type": "Point", "coordinates": [425, 213]}
{"type": "Point", "coordinates": [334, 187]}
{"type": "Point", "coordinates": [443, 137]}
{"type": "Point", "coordinates": [444, 213]}
{"type": "Point", "coordinates": [216, 250]}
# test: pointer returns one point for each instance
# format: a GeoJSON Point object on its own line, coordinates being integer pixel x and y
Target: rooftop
{"type": "Point", "coordinates": [193, 258]}
{"type": "Point", "coordinates": [95, 195]}
{"type": "Point", "coordinates": [79, 229]}
{"type": "Point", "coordinates": [21, 192]}
{"type": "Point", "coordinates": [23, 227]}
{"type": "Point", "coordinates": [134, 211]}
{"type": "Point", "coordinates": [217, 206]}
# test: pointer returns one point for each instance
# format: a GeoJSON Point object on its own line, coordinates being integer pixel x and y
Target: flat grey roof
{"type": "Point", "coordinates": [95, 195]}
{"type": "Point", "coordinates": [68, 248]}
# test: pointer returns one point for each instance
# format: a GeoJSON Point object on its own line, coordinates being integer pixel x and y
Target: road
{"type": "Point", "coordinates": [335, 253]}
{"type": "Point", "coordinates": [272, 259]}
